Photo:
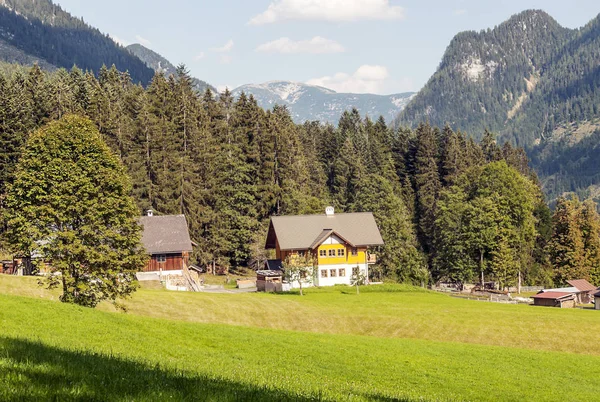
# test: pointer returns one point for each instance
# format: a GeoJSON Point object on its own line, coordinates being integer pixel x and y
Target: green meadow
{"type": "Point", "coordinates": [387, 343]}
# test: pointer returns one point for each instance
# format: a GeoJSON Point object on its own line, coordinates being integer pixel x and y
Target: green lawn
{"type": "Point", "coordinates": [330, 344]}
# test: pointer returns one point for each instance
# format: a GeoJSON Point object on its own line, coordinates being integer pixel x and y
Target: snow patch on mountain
{"type": "Point", "coordinates": [310, 102]}
{"type": "Point", "coordinates": [474, 69]}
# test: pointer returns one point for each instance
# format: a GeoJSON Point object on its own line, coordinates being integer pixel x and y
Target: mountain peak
{"type": "Point", "coordinates": [309, 102]}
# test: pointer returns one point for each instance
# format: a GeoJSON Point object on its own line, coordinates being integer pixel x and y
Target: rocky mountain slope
{"type": "Point", "coordinates": [309, 102]}
{"type": "Point", "coordinates": [158, 63]}
{"type": "Point", "coordinates": [533, 83]}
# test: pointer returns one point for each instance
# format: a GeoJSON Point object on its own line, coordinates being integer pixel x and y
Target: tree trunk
{"type": "Point", "coordinates": [519, 284]}
{"type": "Point", "coordinates": [481, 268]}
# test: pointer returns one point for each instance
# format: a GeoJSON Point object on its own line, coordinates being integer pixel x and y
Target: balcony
{"type": "Point", "coordinates": [371, 259]}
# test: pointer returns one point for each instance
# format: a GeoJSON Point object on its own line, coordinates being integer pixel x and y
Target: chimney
{"type": "Point", "coordinates": [150, 212]}
{"type": "Point", "coordinates": [329, 211]}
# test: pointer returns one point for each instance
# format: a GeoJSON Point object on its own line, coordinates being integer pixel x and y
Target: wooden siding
{"type": "Point", "coordinates": [174, 262]}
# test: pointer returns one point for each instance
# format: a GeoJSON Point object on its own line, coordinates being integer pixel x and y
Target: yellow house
{"type": "Point", "coordinates": [339, 243]}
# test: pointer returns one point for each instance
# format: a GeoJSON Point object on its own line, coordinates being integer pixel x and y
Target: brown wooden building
{"type": "Point", "coordinates": [555, 299]}
{"type": "Point", "coordinates": [167, 241]}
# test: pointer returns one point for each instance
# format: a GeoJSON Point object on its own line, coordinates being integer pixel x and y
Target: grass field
{"type": "Point", "coordinates": [388, 343]}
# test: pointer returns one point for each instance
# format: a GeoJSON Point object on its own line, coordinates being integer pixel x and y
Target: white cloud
{"type": "Point", "coordinates": [225, 59]}
{"type": "Point", "coordinates": [225, 48]}
{"type": "Point", "coordinates": [199, 57]}
{"type": "Point", "coordinates": [460, 11]}
{"type": "Point", "coordinates": [316, 45]}
{"type": "Point", "coordinates": [118, 40]}
{"type": "Point", "coordinates": [143, 40]}
{"type": "Point", "coordinates": [371, 73]}
{"type": "Point", "coordinates": [328, 10]}
{"type": "Point", "coordinates": [366, 79]}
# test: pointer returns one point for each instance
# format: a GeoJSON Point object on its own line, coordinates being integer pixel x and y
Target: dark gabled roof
{"type": "Point", "coordinates": [582, 285]}
{"type": "Point", "coordinates": [165, 234]}
{"type": "Point", "coordinates": [303, 232]}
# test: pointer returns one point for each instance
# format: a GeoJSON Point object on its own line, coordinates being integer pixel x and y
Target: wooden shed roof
{"type": "Point", "coordinates": [582, 285]}
{"type": "Point", "coordinates": [554, 295]}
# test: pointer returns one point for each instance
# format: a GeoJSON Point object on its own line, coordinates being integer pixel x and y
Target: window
{"type": "Point", "coordinates": [342, 272]}
{"type": "Point", "coordinates": [301, 253]}
{"type": "Point", "coordinates": [354, 271]}
{"type": "Point", "coordinates": [161, 258]}
{"type": "Point", "coordinates": [322, 253]}
{"type": "Point", "coordinates": [333, 273]}
{"type": "Point", "coordinates": [324, 273]}
{"type": "Point", "coordinates": [354, 251]}
{"type": "Point", "coordinates": [332, 253]}
{"type": "Point", "coordinates": [341, 252]}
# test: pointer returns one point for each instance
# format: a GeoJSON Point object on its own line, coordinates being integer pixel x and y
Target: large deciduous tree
{"type": "Point", "coordinates": [70, 205]}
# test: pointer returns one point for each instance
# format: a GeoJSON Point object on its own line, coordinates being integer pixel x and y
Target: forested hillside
{"type": "Point", "coordinates": [32, 30]}
{"type": "Point", "coordinates": [531, 81]}
{"type": "Point", "coordinates": [448, 207]}
{"type": "Point", "coordinates": [159, 64]}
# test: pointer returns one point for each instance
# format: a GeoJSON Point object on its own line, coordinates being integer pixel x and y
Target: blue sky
{"type": "Point", "coordinates": [378, 46]}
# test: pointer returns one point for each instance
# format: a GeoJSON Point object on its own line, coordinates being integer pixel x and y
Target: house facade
{"type": "Point", "coordinates": [167, 241]}
{"type": "Point", "coordinates": [338, 243]}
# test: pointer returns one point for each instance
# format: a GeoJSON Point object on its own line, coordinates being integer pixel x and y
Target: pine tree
{"type": "Point", "coordinates": [427, 183]}
{"type": "Point", "coordinates": [566, 248]}
{"type": "Point", "coordinates": [399, 257]}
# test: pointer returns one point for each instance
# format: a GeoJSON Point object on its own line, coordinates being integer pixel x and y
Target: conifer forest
{"type": "Point", "coordinates": [448, 207]}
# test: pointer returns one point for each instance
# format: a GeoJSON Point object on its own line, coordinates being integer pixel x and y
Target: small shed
{"type": "Point", "coordinates": [597, 301]}
{"type": "Point", "coordinates": [586, 290]}
{"type": "Point", "coordinates": [269, 280]}
{"type": "Point", "coordinates": [555, 299]}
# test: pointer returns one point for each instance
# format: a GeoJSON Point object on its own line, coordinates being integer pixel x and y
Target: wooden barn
{"type": "Point", "coordinates": [585, 289]}
{"type": "Point", "coordinates": [597, 301]}
{"type": "Point", "coordinates": [555, 299]}
{"type": "Point", "coordinates": [167, 241]}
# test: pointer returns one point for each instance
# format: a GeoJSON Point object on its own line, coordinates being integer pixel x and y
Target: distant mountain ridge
{"type": "Point", "coordinates": [534, 83]}
{"type": "Point", "coordinates": [310, 103]}
{"type": "Point", "coordinates": [40, 31]}
{"type": "Point", "coordinates": [160, 64]}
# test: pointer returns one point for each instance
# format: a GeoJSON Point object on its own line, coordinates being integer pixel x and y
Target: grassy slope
{"type": "Point", "coordinates": [48, 349]}
{"type": "Point", "coordinates": [52, 350]}
{"type": "Point", "coordinates": [398, 314]}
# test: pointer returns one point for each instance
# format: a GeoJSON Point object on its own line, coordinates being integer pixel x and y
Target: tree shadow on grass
{"type": "Point", "coordinates": [34, 371]}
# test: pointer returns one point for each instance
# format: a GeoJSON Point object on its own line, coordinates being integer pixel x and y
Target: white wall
{"type": "Point", "coordinates": [338, 280]}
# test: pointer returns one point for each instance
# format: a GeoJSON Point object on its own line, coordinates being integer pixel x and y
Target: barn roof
{"type": "Point", "coordinates": [553, 295]}
{"type": "Point", "coordinates": [165, 234]}
{"type": "Point", "coordinates": [303, 232]}
{"type": "Point", "coordinates": [582, 284]}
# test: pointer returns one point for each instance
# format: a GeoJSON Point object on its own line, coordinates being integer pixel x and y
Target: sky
{"type": "Point", "coordinates": [362, 46]}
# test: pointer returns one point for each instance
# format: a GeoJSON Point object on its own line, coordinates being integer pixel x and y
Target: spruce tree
{"type": "Point", "coordinates": [427, 183]}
